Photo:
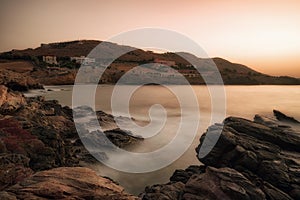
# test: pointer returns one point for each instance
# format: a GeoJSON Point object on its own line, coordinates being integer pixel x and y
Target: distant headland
{"type": "Point", "coordinates": [57, 64]}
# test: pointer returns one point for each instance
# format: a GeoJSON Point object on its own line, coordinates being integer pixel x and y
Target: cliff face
{"type": "Point", "coordinates": [252, 160]}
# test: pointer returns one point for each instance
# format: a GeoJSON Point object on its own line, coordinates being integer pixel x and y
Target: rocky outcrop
{"type": "Point", "coordinates": [18, 81]}
{"type": "Point", "coordinates": [39, 135]}
{"type": "Point", "coordinates": [26, 150]}
{"type": "Point", "coordinates": [13, 169]}
{"type": "Point", "coordinates": [121, 138]}
{"type": "Point", "coordinates": [205, 183]}
{"type": "Point", "coordinates": [221, 183]}
{"type": "Point", "coordinates": [251, 160]}
{"type": "Point", "coordinates": [86, 118]}
{"type": "Point", "coordinates": [282, 117]}
{"type": "Point", "coordinates": [54, 76]}
{"type": "Point", "coordinates": [263, 152]}
{"type": "Point", "coordinates": [66, 183]}
{"type": "Point", "coordinates": [10, 101]}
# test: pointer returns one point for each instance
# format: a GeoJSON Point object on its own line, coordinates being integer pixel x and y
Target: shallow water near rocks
{"type": "Point", "coordinates": [241, 101]}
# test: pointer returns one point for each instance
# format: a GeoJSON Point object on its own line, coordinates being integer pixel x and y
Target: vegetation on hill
{"type": "Point", "coordinates": [232, 73]}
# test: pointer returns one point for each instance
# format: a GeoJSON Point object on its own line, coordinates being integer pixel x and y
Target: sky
{"type": "Point", "coordinates": [262, 34]}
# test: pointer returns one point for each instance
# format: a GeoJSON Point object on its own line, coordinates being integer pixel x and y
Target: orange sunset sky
{"type": "Point", "coordinates": [264, 35]}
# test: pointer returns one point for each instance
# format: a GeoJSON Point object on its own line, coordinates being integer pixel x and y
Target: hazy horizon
{"type": "Point", "coordinates": [263, 35]}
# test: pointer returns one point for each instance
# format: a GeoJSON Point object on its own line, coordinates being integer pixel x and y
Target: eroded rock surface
{"type": "Point", "coordinates": [36, 135]}
{"type": "Point", "coordinates": [10, 101]}
{"type": "Point", "coordinates": [263, 153]}
{"type": "Point", "coordinates": [257, 159]}
{"type": "Point", "coordinates": [66, 183]}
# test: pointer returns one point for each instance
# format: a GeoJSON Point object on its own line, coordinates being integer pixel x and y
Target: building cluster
{"type": "Point", "coordinates": [163, 71]}
{"type": "Point", "coordinates": [83, 60]}
{"type": "Point", "coordinates": [162, 68]}
{"type": "Point", "coordinates": [50, 59]}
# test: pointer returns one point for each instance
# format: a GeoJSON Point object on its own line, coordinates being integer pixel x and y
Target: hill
{"type": "Point", "coordinates": [64, 69]}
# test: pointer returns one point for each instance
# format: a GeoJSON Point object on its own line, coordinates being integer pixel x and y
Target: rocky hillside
{"type": "Point", "coordinates": [232, 73]}
{"type": "Point", "coordinates": [60, 49]}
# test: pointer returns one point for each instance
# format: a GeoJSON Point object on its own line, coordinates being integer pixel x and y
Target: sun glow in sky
{"type": "Point", "coordinates": [264, 35]}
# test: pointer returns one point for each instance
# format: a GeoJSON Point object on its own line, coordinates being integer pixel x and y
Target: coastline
{"type": "Point", "coordinates": [18, 113]}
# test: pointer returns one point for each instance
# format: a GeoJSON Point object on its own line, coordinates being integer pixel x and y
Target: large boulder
{"type": "Point", "coordinates": [282, 117]}
{"type": "Point", "coordinates": [205, 183]}
{"type": "Point", "coordinates": [66, 183]}
{"type": "Point", "coordinates": [251, 160]}
{"type": "Point", "coordinates": [222, 183]}
{"type": "Point", "coordinates": [10, 101]}
{"type": "Point", "coordinates": [263, 152]}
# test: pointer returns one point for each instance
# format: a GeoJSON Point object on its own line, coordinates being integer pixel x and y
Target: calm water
{"type": "Point", "coordinates": [241, 101]}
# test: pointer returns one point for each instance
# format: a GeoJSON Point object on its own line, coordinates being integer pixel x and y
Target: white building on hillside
{"type": "Point", "coordinates": [83, 60]}
{"type": "Point", "coordinates": [50, 60]}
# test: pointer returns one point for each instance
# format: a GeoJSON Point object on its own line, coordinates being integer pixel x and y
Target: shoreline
{"type": "Point", "coordinates": [55, 120]}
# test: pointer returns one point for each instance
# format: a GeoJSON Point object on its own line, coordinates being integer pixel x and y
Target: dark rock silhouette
{"type": "Point", "coordinates": [251, 160]}
{"type": "Point", "coordinates": [282, 117]}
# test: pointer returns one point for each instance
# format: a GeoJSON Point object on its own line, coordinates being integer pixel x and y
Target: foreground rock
{"type": "Point", "coordinates": [282, 117]}
{"type": "Point", "coordinates": [10, 101]}
{"type": "Point", "coordinates": [257, 159]}
{"type": "Point", "coordinates": [263, 153]}
{"type": "Point", "coordinates": [207, 183]}
{"type": "Point", "coordinates": [39, 135]}
{"type": "Point", "coordinates": [66, 183]}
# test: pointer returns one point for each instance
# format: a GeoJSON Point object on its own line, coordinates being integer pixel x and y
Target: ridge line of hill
{"type": "Point", "coordinates": [68, 56]}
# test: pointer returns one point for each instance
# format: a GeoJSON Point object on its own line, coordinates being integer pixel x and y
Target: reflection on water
{"type": "Point", "coordinates": [242, 101]}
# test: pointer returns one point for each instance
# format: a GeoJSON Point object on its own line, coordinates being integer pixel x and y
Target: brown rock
{"type": "Point", "coordinates": [167, 191]}
{"type": "Point", "coordinates": [10, 101]}
{"type": "Point", "coordinates": [223, 183]}
{"type": "Point", "coordinates": [206, 183]}
{"type": "Point", "coordinates": [265, 152]}
{"type": "Point", "coordinates": [282, 117]}
{"type": "Point", "coordinates": [3, 94]}
{"type": "Point", "coordinates": [18, 81]}
{"type": "Point", "coordinates": [67, 183]}
{"type": "Point", "coordinates": [251, 160]}
{"type": "Point", "coordinates": [13, 169]}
